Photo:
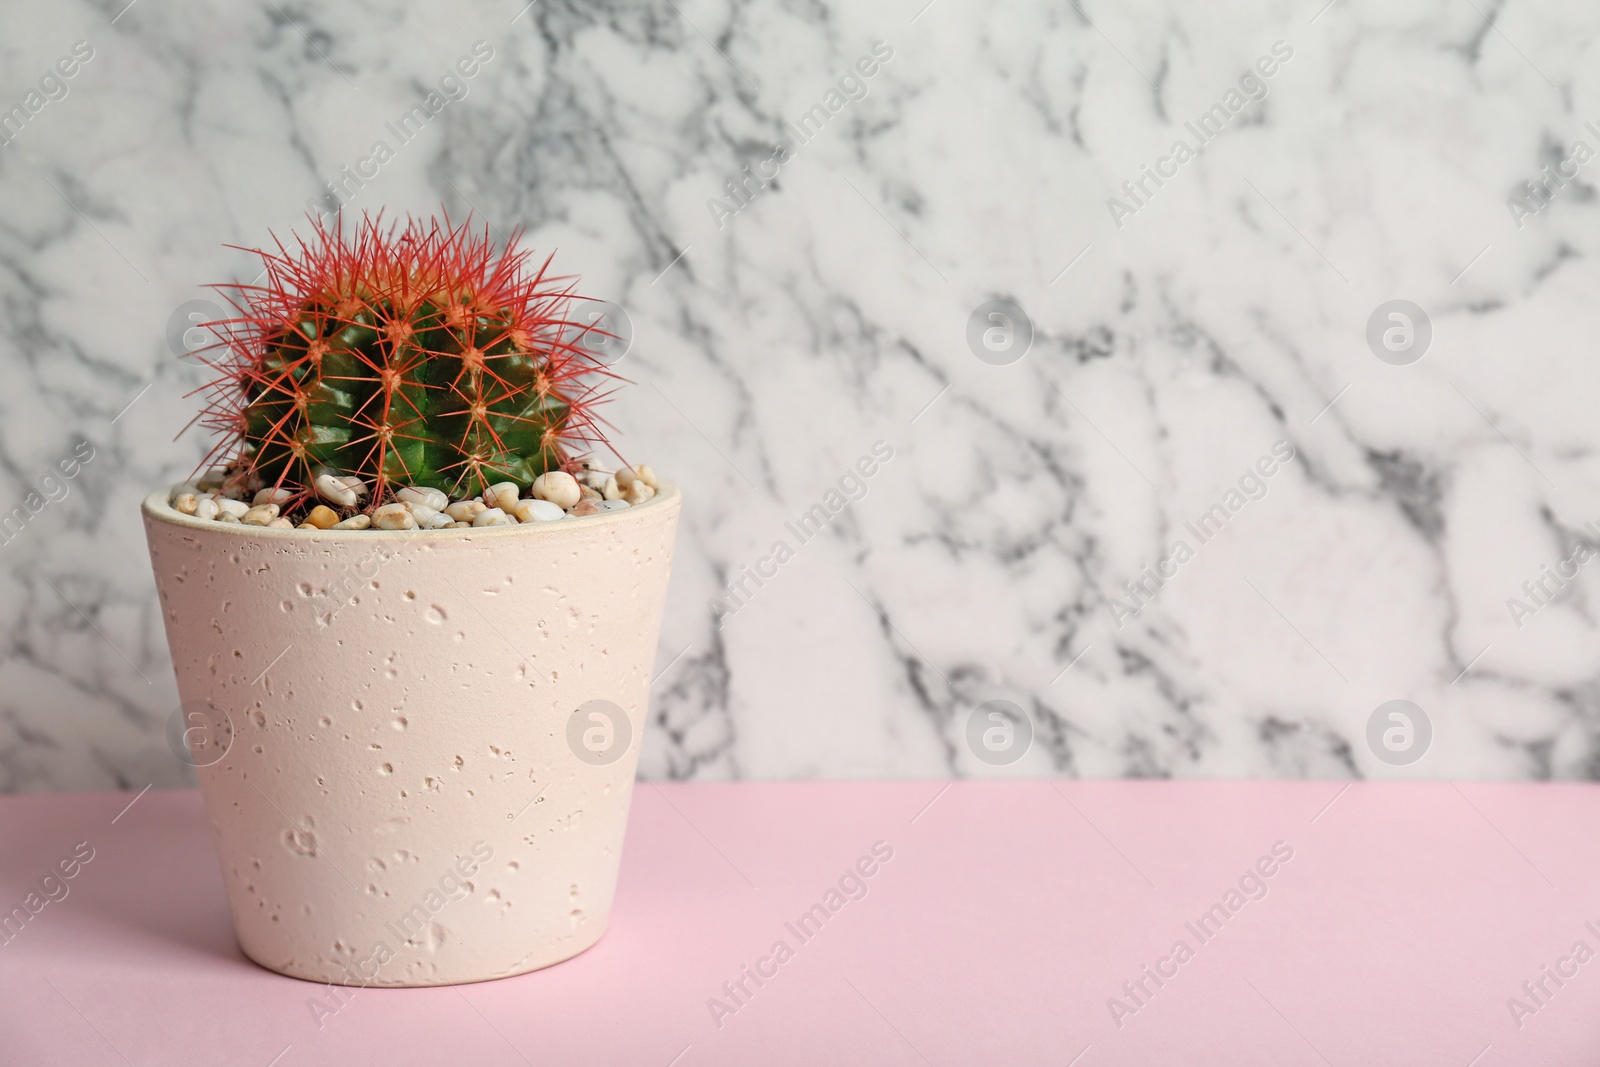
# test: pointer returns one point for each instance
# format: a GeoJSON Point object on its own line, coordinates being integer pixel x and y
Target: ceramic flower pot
{"type": "Point", "coordinates": [417, 748]}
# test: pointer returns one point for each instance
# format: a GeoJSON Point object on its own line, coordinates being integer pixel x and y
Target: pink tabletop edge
{"type": "Point", "coordinates": [1017, 922]}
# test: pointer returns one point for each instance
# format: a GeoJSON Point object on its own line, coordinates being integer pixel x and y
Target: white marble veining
{"type": "Point", "coordinates": [1183, 328]}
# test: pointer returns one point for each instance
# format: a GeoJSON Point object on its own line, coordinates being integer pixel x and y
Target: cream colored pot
{"type": "Point", "coordinates": [416, 748]}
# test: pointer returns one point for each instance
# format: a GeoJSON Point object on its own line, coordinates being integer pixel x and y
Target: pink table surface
{"type": "Point", "coordinates": [1406, 919]}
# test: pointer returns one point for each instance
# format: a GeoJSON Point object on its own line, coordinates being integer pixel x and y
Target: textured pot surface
{"type": "Point", "coordinates": [418, 747]}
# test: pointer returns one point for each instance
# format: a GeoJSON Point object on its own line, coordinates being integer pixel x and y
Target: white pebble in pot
{"type": "Point", "coordinates": [537, 511]}
{"type": "Point", "coordinates": [502, 495]}
{"type": "Point", "coordinates": [466, 510]}
{"type": "Point", "coordinates": [279, 497]}
{"type": "Point", "coordinates": [493, 517]}
{"type": "Point", "coordinates": [427, 496]}
{"type": "Point", "coordinates": [342, 490]}
{"type": "Point", "coordinates": [558, 487]}
{"type": "Point", "coordinates": [260, 515]}
{"type": "Point", "coordinates": [393, 517]}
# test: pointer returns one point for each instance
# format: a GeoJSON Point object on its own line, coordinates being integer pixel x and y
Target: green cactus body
{"type": "Point", "coordinates": [421, 360]}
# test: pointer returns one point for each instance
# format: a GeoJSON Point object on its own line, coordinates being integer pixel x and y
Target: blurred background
{"type": "Point", "coordinates": [1195, 459]}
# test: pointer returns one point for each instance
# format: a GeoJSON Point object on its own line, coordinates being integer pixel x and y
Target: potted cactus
{"type": "Point", "coordinates": [412, 617]}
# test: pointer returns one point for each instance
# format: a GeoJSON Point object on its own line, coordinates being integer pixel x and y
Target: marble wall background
{"type": "Point", "coordinates": [1177, 338]}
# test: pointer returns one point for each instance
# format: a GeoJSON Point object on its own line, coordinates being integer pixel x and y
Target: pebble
{"type": "Point", "coordinates": [466, 510]}
{"type": "Point", "coordinates": [279, 497]}
{"type": "Point", "coordinates": [641, 473]}
{"type": "Point", "coordinates": [425, 495]}
{"type": "Point", "coordinates": [555, 495]}
{"type": "Point", "coordinates": [394, 517]}
{"type": "Point", "coordinates": [343, 490]}
{"type": "Point", "coordinates": [537, 511]}
{"type": "Point", "coordinates": [493, 517]}
{"type": "Point", "coordinates": [502, 495]}
{"type": "Point", "coordinates": [558, 487]}
{"type": "Point", "coordinates": [322, 517]}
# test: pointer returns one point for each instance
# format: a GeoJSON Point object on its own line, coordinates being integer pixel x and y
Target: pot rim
{"type": "Point", "coordinates": [157, 507]}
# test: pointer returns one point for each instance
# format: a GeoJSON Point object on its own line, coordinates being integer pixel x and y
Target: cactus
{"type": "Point", "coordinates": [403, 356]}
